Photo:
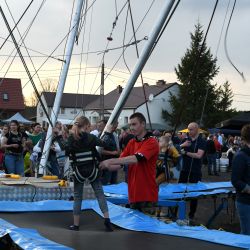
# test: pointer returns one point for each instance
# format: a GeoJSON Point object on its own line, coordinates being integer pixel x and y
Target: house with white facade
{"type": "Point", "coordinates": [156, 96]}
{"type": "Point", "coordinates": [72, 105]}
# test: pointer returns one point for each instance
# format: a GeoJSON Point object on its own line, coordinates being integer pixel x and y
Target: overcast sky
{"type": "Point", "coordinates": [52, 24]}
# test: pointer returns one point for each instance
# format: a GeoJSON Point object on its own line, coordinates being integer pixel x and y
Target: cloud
{"type": "Point", "coordinates": [52, 24]}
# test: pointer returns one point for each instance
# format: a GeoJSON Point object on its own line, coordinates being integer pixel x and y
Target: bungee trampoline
{"type": "Point", "coordinates": [44, 225]}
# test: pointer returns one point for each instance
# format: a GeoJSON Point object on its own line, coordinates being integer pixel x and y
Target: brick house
{"type": "Point", "coordinates": [11, 97]}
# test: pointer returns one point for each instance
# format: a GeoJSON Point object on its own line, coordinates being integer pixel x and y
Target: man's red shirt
{"type": "Point", "coordinates": [217, 145]}
{"type": "Point", "coordinates": [142, 175]}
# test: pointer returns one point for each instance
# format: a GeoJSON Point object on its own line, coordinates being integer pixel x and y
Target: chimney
{"type": "Point", "coordinates": [119, 89]}
{"type": "Point", "coordinates": [160, 82]}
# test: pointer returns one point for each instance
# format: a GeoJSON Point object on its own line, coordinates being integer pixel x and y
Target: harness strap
{"type": "Point", "coordinates": [81, 160]}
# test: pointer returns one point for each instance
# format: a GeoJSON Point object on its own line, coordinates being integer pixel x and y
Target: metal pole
{"type": "Point", "coordinates": [141, 61]}
{"type": "Point", "coordinates": [102, 94]}
{"type": "Point", "coordinates": [61, 84]}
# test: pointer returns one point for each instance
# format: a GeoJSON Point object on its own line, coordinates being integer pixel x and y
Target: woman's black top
{"type": "Point", "coordinates": [14, 139]}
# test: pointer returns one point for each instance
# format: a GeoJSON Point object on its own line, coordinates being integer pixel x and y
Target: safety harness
{"type": "Point", "coordinates": [85, 166]}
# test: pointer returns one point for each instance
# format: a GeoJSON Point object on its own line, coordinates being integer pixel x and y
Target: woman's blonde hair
{"type": "Point", "coordinates": [79, 123]}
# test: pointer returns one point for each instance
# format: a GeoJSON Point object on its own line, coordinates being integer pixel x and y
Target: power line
{"type": "Point", "coordinates": [218, 45]}
{"type": "Point", "coordinates": [38, 52]}
{"type": "Point", "coordinates": [145, 15]}
{"type": "Point", "coordinates": [21, 40]}
{"type": "Point", "coordinates": [123, 41]}
{"type": "Point", "coordinates": [109, 38]}
{"type": "Point", "coordinates": [241, 101]}
{"type": "Point", "coordinates": [25, 66]}
{"type": "Point", "coordinates": [241, 94]}
{"type": "Point", "coordinates": [137, 54]}
{"type": "Point", "coordinates": [132, 36]}
{"type": "Point", "coordinates": [88, 46]}
{"type": "Point", "coordinates": [24, 42]}
{"type": "Point", "coordinates": [16, 24]}
{"type": "Point", "coordinates": [166, 24]}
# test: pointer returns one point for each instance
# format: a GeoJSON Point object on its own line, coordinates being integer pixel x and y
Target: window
{"type": "Point", "coordinates": [62, 111]}
{"type": "Point", "coordinates": [94, 119]}
{"type": "Point", "coordinates": [125, 120]}
{"type": "Point", "coordinates": [74, 111]}
{"type": "Point", "coordinates": [5, 97]}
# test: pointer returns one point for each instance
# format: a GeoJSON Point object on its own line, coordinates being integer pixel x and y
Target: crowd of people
{"type": "Point", "coordinates": [148, 158]}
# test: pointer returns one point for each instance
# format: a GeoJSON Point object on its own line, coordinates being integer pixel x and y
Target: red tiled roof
{"type": "Point", "coordinates": [13, 89]}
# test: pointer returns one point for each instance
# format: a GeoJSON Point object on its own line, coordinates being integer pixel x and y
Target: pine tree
{"type": "Point", "coordinates": [195, 72]}
{"type": "Point", "coordinates": [225, 101]}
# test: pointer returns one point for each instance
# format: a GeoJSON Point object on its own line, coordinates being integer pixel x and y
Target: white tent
{"type": "Point", "coordinates": [18, 117]}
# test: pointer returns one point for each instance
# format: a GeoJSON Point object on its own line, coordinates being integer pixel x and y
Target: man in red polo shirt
{"type": "Point", "coordinates": [140, 154]}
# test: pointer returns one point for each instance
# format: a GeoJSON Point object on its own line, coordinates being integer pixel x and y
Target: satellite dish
{"type": "Point", "coordinates": [151, 97]}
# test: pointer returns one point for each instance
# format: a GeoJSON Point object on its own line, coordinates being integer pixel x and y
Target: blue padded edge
{"type": "Point", "coordinates": [28, 239]}
{"type": "Point", "coordinates": [166, 189]}
{"type": "Point", "coordinates": [128, 219]}
{"type": "Point", "coordinates": [173, 196]}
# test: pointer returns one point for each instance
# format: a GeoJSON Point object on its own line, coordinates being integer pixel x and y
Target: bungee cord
{"type": "Point", "coordinates": [225, 45]}
{"type": "Point", "coordinates": [16, 23]}
{"type": "Point", "coordinates": [195, 68]}
{"type": "Point", "coordinates": [33, 65]}
{"type": "Point", "coordinates": [25, 66]}
{"type": "Point", "coordinates": [111, 69]}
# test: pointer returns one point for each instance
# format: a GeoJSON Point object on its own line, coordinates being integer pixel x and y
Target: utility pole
{"type": "Point", "coordinates": [102, 94]}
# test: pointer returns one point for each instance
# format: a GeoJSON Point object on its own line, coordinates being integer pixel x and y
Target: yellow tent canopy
{"type": "Point", "coordinates": [186, 131]}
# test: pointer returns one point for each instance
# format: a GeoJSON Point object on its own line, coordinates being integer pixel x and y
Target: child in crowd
{"type": "Point", "coordinates": [168, 158]}
{"type": "Point", "coordinates": [27, 151]}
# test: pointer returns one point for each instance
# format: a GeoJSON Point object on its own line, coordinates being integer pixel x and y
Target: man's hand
{"type": "Point", "coordinates": [183, 152]}
{"type": "Point", "coordinates": [186, 144]}
{"type": "Point", "coordinates": [115, 153]}
{"type": "Point", "coordinates": [246, 189]}
{"type": "Point", "coordinates": [107, 165]}
{"type": "Point", "coordinates": [104, 164]}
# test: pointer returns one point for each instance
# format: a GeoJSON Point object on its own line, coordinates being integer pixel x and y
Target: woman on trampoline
{"type": "Point", "coordinates": [81, 149]}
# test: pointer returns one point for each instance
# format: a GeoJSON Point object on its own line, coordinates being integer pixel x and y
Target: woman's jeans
{"type": "Point", "coordinates": [14, 164]}
{"type": "Point", "coordinates": [78, 194]}
{"type": "Point", "coordinates": [244, 215]}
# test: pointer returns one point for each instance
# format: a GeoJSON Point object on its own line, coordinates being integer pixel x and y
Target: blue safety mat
{"type": "Point", "coordinates": [28, 239]}
{"type": "Point", "coordinates": [120, 216]}
{"type": "Point", "coordinates": [193, 187]}
{"type": "Point", "coordinates": [175, 191]}
{"type": "Point", "coordinates": [184, 195]}
{"type": "Point", "coordinates": [173, 196]}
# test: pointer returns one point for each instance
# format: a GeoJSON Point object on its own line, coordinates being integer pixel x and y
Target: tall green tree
{"type": "Point", "coordinates": [195, 73]}
{"type": "Point", "coordinates": [225, 101]}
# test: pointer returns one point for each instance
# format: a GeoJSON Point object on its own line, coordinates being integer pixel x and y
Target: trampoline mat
{"type": "Point", "coordinates": [54, 226]}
